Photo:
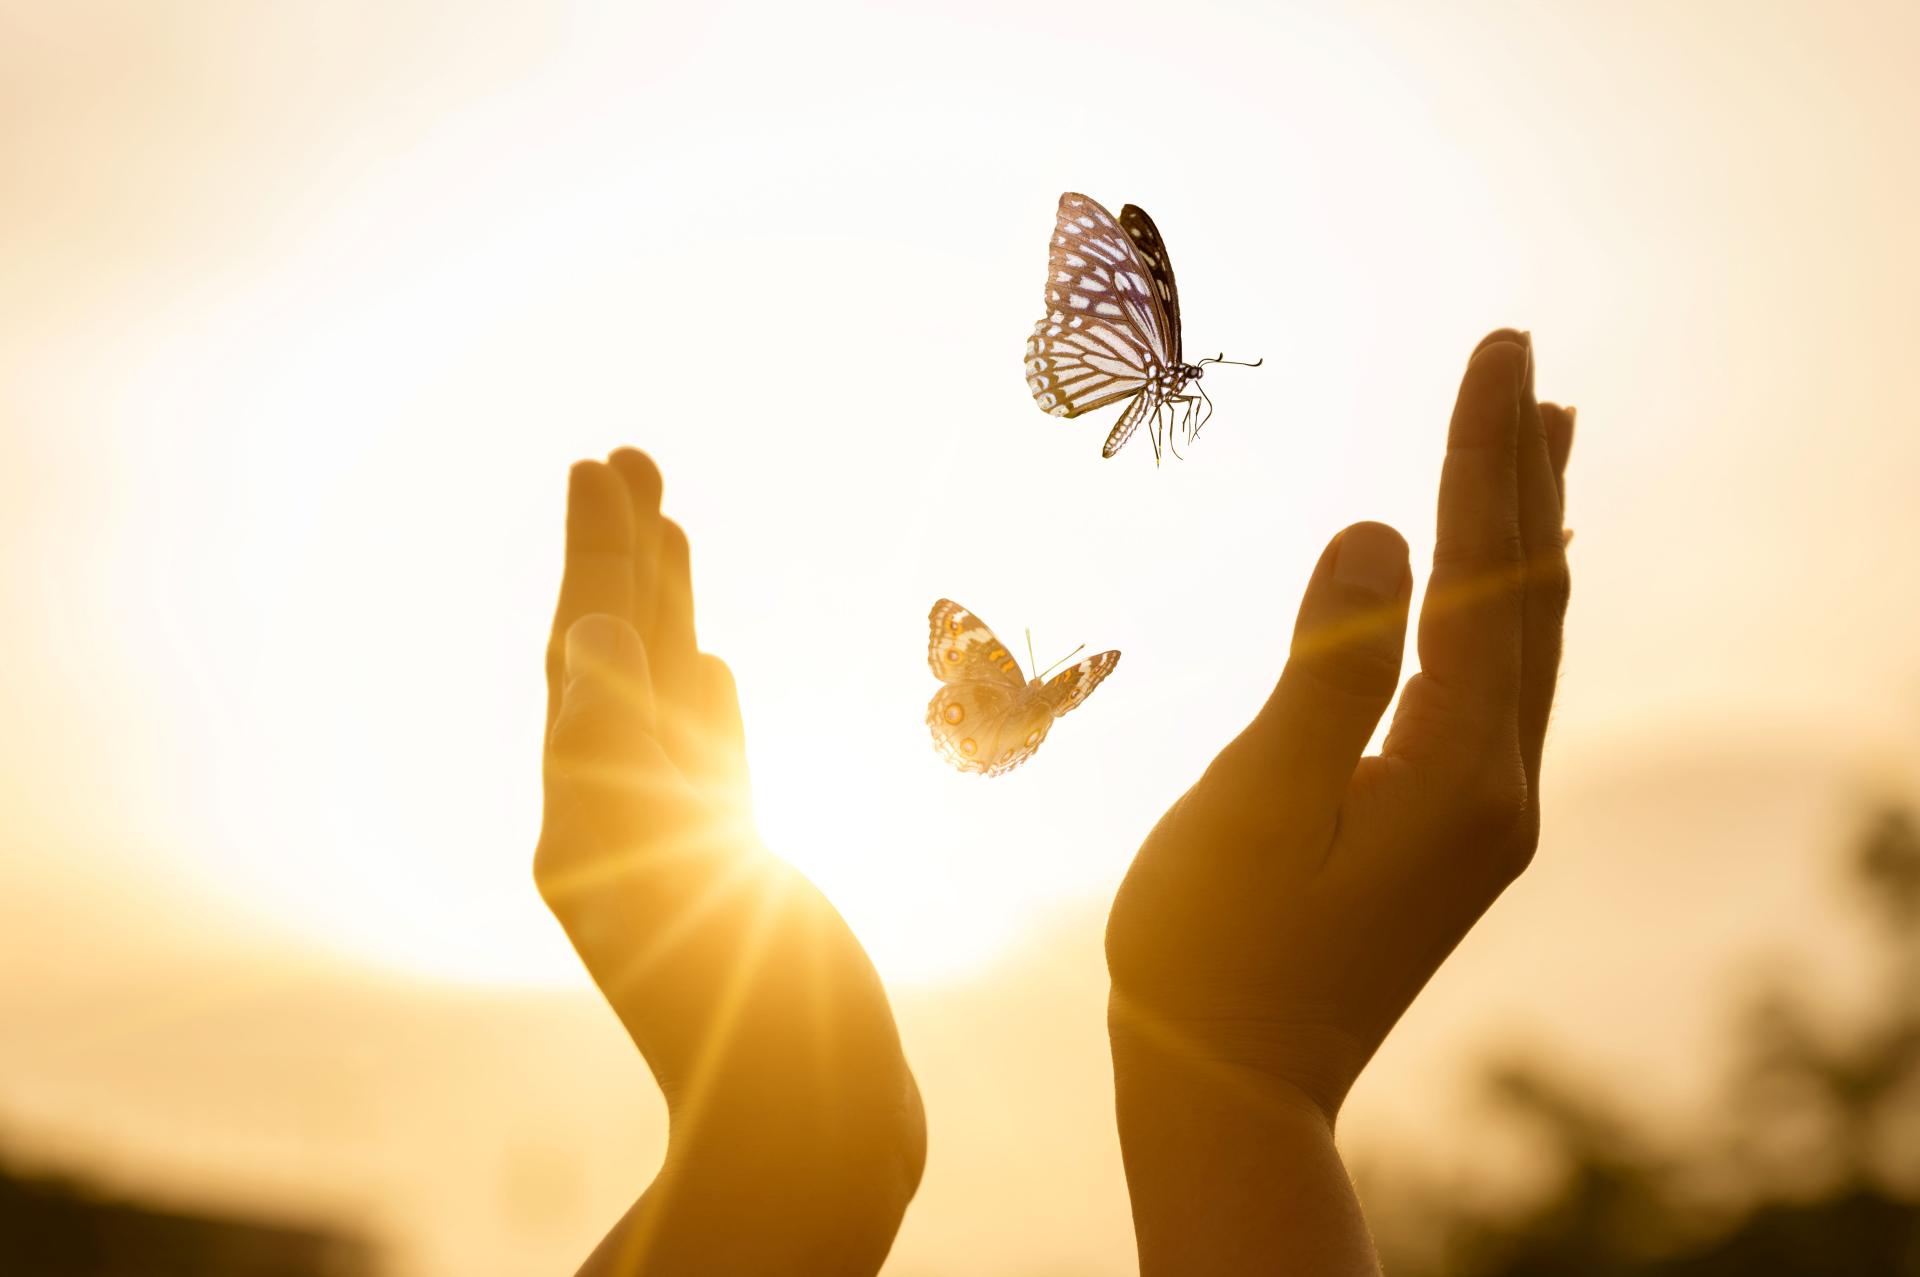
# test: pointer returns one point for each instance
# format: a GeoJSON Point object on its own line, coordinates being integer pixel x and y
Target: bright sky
{"type": "Point", "coordinates": [304, 313]}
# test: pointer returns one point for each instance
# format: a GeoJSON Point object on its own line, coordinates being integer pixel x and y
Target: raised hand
{"type": "Point", "coordinates": [1286, 910]}
{"type": "Point", "coordinates": [796, 1137]}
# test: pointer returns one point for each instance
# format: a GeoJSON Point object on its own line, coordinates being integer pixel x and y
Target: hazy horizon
{"type": "Point", "coordinates": [304, 315]}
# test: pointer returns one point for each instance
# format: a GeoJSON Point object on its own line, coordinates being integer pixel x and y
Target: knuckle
{"type": "Point", "coordinates": [1491, 815]}
{"type": "Point", "coordinates": [1512, 855]}
{"type": "Point", "coordinates": [579, 732]}
{"type": "Point", "coordinates": [545, 875]}
{"type": "Point", "coordinates": [719, 676]}
{"type": "Point", "coordinates": [1363, 669]}
{"type": "Point", "coordinates": [551, 856]}
{"type": "Point", "coordinates": [1551, 580]}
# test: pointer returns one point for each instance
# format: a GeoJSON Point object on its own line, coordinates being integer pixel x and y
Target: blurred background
{"type": "Point", "coordinates": [305, 310]}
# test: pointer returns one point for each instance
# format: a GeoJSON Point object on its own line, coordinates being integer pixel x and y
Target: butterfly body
{"type": "Point", "coordinates": [987, 717]}
{"type": "Point", "coordinates": [1112, 328]}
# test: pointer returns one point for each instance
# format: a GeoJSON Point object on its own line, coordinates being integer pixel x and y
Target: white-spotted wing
{"type": "Point", "coordinates": [1112, 325]}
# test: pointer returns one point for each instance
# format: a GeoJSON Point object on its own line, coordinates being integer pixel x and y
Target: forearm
{"type": "Point", "coordinates": [1231, 1173]}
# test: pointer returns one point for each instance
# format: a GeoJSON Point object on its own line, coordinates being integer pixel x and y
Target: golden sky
{"type": "Point", "coordinates": [304, 314]}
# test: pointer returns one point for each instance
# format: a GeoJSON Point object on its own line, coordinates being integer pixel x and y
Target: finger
{"type": "Point", "coordinates": [643, 482]}
{"type": "Point", "coordinates": [1340, 676]}
{"type": "Point", "coordinates": [602, 738]}
{"type": "Point", "coordinates": [607, 698]}
{"type": "Point", "coordinates": [597, 574]}
{"type": "Point", "coordinates": [1547, 581]}
{"type": "Point", "coordinates": [676, 658]}
{"type": "Point", "coordinates": [1559, 426]}
{"type": "Point", "coordinates": [1470, 620]}
{"type": "Point", "coordinates": [726, 735]}
{"type": "Point", "coordinates": [613, 797]}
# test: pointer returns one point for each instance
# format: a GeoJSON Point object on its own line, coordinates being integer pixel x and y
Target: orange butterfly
{"type": "Point", "coordinates": [989, 718]}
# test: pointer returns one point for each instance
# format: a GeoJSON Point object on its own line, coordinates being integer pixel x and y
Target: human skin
{"type": "Point", "coordinates": [796, 1135]}
{"type": "Point", "coordinates": [1274, 926]}
{"type": "Point", "coordinates": [1287, 909]}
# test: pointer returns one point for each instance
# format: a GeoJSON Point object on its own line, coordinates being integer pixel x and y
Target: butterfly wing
{"type": "Point", "coordinates": [1069, 687]}
{"type": "Point", "coordinates": [961, 649]}
{"type": "Point", "coordinates": [987, 728]}
{"type": "Point", "coordinates": [986, 719]}
{"type": "Point", "coordinates": [1105, 335]}
{"type": "Point", "coordinates": [1153, 252]}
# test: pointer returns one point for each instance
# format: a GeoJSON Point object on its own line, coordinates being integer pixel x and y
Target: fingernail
{"type": "Point", "coordinates": [593, 646]}
{"type": "Point", "coordinates": [585, 481]}
{"type": "Point", "coordinates": [642, 476]}
{"type": "Point", "coordinates": [1371, 559]}
{"type": "Point", "coordinates": [1488, 409]}
{"type": "Point", "coordinates": [1497, 351]}
{"type": "Point", "coordinates": [1573, 417]}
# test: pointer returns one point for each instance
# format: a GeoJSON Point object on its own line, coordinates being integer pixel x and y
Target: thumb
{"type": "Point", "coordinates": [1340, 677]}
{"type": "Point", "coordinates": [610, 790]}
{"type": "Point", "coordinates": [606, 698]}
{"type": "Point", "coordinates": [604, 762]}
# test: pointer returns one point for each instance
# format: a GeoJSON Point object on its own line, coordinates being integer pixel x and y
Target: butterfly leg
{"type": "Point", "coordinates": [1187, 426]}
{"type": "Point", "coordinates": [1204, 411]}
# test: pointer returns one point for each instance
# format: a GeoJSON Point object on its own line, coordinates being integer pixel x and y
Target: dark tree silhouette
{"type": "Point", "coordinates": [1821, 1171]}
{"type": "Point", "coordinates": [56, 1227]}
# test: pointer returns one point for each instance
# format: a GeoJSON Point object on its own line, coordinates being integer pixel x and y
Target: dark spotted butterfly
{"type": "Point", "coordinates": [988, 718]}
{"type": "Point", "coordinates": [1112, 327]}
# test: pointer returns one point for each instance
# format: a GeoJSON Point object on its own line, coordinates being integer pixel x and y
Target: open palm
{"type": "Point", "coordinates": [1288, 908]}
{"type": "Point", "coordinates": [796, 1135]}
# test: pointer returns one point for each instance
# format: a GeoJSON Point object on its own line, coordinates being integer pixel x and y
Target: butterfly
{"type": "Point", "coordinates": [988, 718]}
{"type": "Point", "coordinates": [1112, 327]}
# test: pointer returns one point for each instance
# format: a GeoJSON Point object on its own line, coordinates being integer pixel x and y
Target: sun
{"type": "Point", "coordinates": [932, 870]}
{"type": "Point", "coordinates": [879, 840]}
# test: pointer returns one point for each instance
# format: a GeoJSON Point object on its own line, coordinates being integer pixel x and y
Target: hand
{"type": "Point", "coordinates": [1284, 913]}
{"type": "Point", "coordinates": [796, 1132]}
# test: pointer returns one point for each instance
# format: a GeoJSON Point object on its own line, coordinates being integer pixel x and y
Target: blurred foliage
{"type": "Point", "coordinates": [56, 1227]}
{"type": "Point", "coordinates": [1813, 1166]}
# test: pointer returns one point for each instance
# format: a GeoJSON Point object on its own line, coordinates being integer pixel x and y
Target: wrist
{"type": "Point", "coordinates": [766, 1204]}
{"type": "Point", "coordinates": [1231, 1168]}
{"type": "Point", "coordinates": [866, 1149]}
{"type": "Point", "coordinates": [1293, 1063]}
{"type": "Point", "coordinates": [856, 1157]}
{"type": "Point", "coordinates": [1166, 1091]}
{"type": "Point", "coordinates": [691, 1221]}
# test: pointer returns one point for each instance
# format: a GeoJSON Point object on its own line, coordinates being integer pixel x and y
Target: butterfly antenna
{"type": "Point", "coordinates": [1063, 660]}
{"type": "Point", "coordinates": [1239, 363]}
{"type": "Point", "coordinates": [1029, 647]}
